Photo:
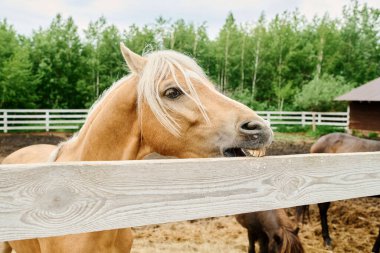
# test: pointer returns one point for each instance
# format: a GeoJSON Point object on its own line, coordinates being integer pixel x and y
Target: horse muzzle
{"type": "Point", "coordinates": [253, 139]}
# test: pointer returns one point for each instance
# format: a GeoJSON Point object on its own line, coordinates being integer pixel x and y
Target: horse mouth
{"type": "Point", "coordinates": [241, 152]}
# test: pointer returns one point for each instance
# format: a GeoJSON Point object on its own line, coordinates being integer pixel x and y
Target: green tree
{"type": "Point", "coordinates": [319, 93]}
{"type": "Point", "coordinates": [17, 83]}
{"type": "Point", "coordinates": [102, 53]}
{"type": "Point", "coordinates": [57, 61]}
{"type": "Point", "coordinates": [228, 57]}
{"type": "Point", "coordinates": [360, 51]}
{"type": "Point", "coordinates": [264, 64]}
{"type": "Point", "coordinates": [140, 40]}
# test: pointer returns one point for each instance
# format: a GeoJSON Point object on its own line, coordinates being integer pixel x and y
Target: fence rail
{"type": "Point", "coordinates": [40, 200]}
{"type": "Point", "coordinates": [57, 119]}
{"type": "Point", "coordinates": [339, 119]}
{"type": "Point", "coordinates": [46, 120]}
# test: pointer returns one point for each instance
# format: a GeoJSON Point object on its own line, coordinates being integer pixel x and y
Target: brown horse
{"type": "Point", "coordinates": [166, 105]}
{"type": "Point", "coordinates": [337, 143]}
{"type": "Point", "coordinates": [274, 231]}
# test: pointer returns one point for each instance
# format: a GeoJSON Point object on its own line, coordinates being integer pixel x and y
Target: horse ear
{"type": "Point", "coordinates": [134, 61]}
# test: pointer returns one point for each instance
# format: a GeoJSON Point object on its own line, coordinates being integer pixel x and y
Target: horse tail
{"type": "Point", "coordinates": [291, 242]}
{"type": "Point", "coordinates": [302, 213]}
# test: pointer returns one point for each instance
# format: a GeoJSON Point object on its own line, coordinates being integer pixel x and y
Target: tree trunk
{"type": "Point", "coordinates": [281, 104]}
{"type": "Point", "coordinates": [320, 57]}
{"type": "Point", "coordinates": [242, 64]}
{"type": "Point", "coordinates": [226, 60]}
{"type": "Point", "coordinates": [172, 40]}
{"type": "Point", "coordinates": [97, 84]}
{"type": "Point", "coordinates": [195, 45]}
{"type": "Point", "coordinates": [279, 98]}
{"type": "Point", "coordinates": [257, 59]}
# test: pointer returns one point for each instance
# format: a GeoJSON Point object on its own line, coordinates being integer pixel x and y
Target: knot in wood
{"type": "Point", "coordinates": [287, 186]}
{"type": "Point", "coordinates": [56, 200]}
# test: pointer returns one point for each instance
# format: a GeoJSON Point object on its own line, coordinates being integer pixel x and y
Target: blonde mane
{"type": "Point", "coordinates": [160, 65]}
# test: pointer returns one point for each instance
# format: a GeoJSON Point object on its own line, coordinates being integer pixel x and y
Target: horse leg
{"type": "Point", "coordinates": [124, 240]}
{"type": "Point", "coordinates": [323, 207]}
{"type": "Point", "coordinates": [264, 244]}
{"type": "Point", "coordinates": [251, 239]}
{"type": "Point", "coordinates": [376, 246]}
{"type": "Point", "coordinates": [302, 213]}
{"type": "Point", "coordinates": [5, 247]}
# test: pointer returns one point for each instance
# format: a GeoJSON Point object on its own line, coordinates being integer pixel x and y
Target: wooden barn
{"type": "Point", "coordinates": [364, 107]}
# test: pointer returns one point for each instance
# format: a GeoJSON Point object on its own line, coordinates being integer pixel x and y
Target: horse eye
{"type": "Point", "coordinates": [173, 93]}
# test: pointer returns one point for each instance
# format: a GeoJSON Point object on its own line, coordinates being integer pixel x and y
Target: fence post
{"type": "Point", "coordinates": [348, 120]}
{"type": "Point", "coordinates": [47, 121]}
{"type": "Point", "coordinates": [303, 119]}
{"type": "Point", "coordinates": [5, 115]}
{"type": "Point", "coordinates": [313, 123]}
{"type": "Point", "coordinates": [319, 118]}
{"type": "Point", "coordinates": [268, 118]}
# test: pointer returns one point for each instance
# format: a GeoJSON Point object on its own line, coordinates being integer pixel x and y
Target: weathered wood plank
{"type": "Point", "coordinates": [56, 199]}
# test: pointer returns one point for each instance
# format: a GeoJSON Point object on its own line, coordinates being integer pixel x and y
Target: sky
{"type": "Point", "coordinates": [29, 15]}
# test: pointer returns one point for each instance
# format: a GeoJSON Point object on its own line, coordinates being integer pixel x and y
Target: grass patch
{"type": "Point", "coordinates": [293, 137]}
{"type": "Point", "coordinates": [307, 130]}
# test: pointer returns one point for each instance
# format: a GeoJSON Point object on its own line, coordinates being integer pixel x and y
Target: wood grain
{"type": "Point", "coordinates": [55, 199]}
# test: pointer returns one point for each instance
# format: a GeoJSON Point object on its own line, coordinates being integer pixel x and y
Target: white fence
{"type": "Point", "coordinates": [339, 119]}
{"type": "Point", "coordinates": [40, 200]}
{"type": "Point", "coordinates": [47, 120]}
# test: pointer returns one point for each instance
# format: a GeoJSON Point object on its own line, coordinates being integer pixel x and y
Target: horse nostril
{"type": "Point", "coordinates": [250, 126]}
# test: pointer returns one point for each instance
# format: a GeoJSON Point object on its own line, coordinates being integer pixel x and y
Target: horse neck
{"type": "Point", "coordinates": [111, 131]}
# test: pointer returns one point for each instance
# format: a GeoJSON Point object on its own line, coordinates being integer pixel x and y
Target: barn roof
{"type": "Point", "coordinates": [367, 92]}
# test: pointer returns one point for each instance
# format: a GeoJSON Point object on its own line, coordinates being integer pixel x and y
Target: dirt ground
{"type": "Point", "coordinates": [353, 223]}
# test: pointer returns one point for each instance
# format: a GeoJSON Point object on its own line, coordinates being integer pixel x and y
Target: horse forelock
{"type": "Point", "coordinates": [291, 242]}
{"type": "Point", "coordinates": [160, 66]}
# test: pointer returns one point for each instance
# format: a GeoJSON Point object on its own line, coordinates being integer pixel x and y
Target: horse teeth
{"type": "Point", "coordinates": [257, 152]}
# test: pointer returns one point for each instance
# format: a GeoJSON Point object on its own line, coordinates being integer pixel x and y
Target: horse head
{"type": "Point", "coordinates": [182, 114]}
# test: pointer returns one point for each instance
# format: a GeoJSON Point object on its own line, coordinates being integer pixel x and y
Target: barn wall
{"type": "Point", "coordinates": [365, 116]}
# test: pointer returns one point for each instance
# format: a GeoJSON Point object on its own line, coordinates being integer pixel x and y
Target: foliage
{"type": "Point", "coordinates": [292, 128]}
{"type": "Point", "coordinates": [17, 84]}
{"type": "Point", "coordinates": [244, 96]}
{"type": "Point", "coordinates": [319, 93]}
{"type": "Point", "coordinates": [323, 130]}
{"type": "Point", "coordinates": [373, 136]}
{"type": "Point", "coordinates": [285, 63]}
{"type": "Point", "coordinates": [319, 131]}
{"type": "Point", "coordinates": [57, 61]}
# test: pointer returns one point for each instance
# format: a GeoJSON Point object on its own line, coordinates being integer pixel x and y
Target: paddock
{"type": "Point", "coordinates": [209, 186]}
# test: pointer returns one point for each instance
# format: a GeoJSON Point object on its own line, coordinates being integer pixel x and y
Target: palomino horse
{"type": "Point", "coordinates": [338, 143]}
{"type": "Point", "coordinates": [166, 105]}
{"type": "Point", "coordinates": [274, 231]}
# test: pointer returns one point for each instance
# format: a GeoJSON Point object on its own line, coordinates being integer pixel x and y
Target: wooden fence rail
{"type": "Point", "coordinates": [47, 120]}
{"type": "Point", "coordinates": [42, 200]}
